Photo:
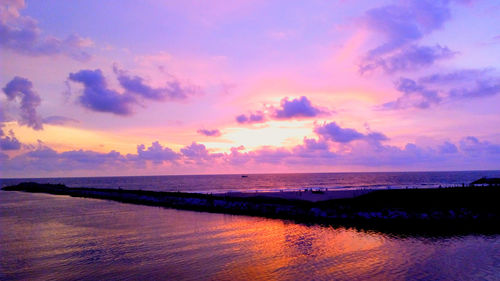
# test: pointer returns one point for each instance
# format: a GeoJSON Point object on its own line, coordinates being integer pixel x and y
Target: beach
{"type": "Point", "coordinates": [309, 195]}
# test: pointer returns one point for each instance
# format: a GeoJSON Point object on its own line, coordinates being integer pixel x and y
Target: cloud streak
{"type": "Point", "coordinates": [434, 89]}
{"type": "Point", "coordinates": [410, 58]}
{"type": "Point", "coordinates": [59, 120]}
{"type": "Point", "coordinates": [209, 133]}
{"type": "Point", "coordinates": [136, 85]}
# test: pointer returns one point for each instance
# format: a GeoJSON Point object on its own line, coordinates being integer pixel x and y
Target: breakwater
{"type": "Point", "coordinates": [473, 209]}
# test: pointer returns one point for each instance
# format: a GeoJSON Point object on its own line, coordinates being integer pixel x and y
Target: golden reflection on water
{"type": "Point", "coordinates": [56, 237]}
{"type": "Point", "coordinates": [274, 245]}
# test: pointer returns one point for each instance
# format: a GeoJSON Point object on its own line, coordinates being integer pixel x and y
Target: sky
{"type": "Point", "coordinates": [121, 87]}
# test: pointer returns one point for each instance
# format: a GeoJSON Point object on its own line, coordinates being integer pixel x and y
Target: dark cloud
{"type": "Point", "coordinates": [209, 133]}
{"type": "Point", "coordinates": [409, 58]}
{"type": "Point", "coordinates": [22, 34]}
{"type": "Point", "coordinates": [59, 120]}
{"type": "Point", "coordinates": [23, 88]}
{"type": "Point", "coordinates": [96, 95]}
{"type": "Point", "coordinates": [136, 85]}
{"type": "Point", "coordinates": [9, 142]}
{"type": "Point", "coordinates": [257, 117]}
{"type": "Point", "coordinates": [401, 26]}
{"type": "Point", "coordinates": [445, 87]}
{"type": "Point", "coordinates": [296, 108]}
{"type": "Point", "coordinates": [334, 132]}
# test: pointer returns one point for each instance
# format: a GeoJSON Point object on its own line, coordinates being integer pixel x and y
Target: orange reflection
{"type": "Point", "coordinates": [277, 246]}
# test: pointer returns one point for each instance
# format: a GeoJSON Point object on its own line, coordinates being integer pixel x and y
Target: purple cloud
{"type": "Point", "coordinates": [156, 153]}
{"type": "Point", "coordinates": [334, 132]}
{"type": "Point", "coordinates": [414, 95]}
{"type": "Point", "coordinates": [409, 58]}
{"type": "Point", "coordinates": [476, 147]}
{"type": "Point", "coordinates": [438, 88]}
{"type": "Point", "coordinates": [405, 22]}
{"type": "Point", "coordinates": [401, 26]}
{"type": "Point", "coordinates": [85, 158]}
{"type": "Point", "coordinates": [209, 133]}
{"type": "Point", "coordinates": [22, 34]}
{"type": "Point", "coordinates": [480, 88]}
{"type": "Point", "coordinates": [296, 108]}
{"type": "Point", "coordinates": [9, 142]}
{"type": "Point", "coordinates": [313, 144]}
{"type": "Point", "coordinates": [96, 95]}
{"type": "Point", "coordinates": [470, 153]}
{"type": "Point", "coordinates": [23, 88]}
{"type": "Point", "coordinates": [448, 147]}
{"type": "Point", "coordinates": [59, 120]}
{"type": "Point", "coordinates": [45, 159]}
{"type": "Point", "coordinates": [257, 117]}
{"type": "Point", "coordinates": [197, 152]}
{"type": "Point", "coordinates": [289, 109]}
{"type": "Point", "coordinates": [454, 77]}
{"type": "Point", "coordinates": [174, 90]}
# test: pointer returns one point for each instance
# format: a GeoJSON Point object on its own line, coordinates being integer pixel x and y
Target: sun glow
{"type": "Point", "coordinates": [271, 134]}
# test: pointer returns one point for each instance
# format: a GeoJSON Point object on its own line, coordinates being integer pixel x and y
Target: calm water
{"type": "Point", "coordinates": [47, 237]}
{"type": "Point", "coordinates": [268, 182]}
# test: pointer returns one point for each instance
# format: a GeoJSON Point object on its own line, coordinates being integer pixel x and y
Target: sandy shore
{"type": "Point", "coordinates": [303, 195]}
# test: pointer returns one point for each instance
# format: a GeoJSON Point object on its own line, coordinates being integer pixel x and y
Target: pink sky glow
{"type": "Point", "coordinates": [93, 88]}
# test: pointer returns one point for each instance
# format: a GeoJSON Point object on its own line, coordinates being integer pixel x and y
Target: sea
{"type": "Point", "coordinates": [56, 237]}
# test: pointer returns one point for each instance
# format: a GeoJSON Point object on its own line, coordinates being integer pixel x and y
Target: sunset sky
{"type": "Point", "coordinates": [119, 87]}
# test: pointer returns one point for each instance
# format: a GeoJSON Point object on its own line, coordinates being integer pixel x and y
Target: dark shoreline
{"type": "Point", "coordinates": [443, 210]}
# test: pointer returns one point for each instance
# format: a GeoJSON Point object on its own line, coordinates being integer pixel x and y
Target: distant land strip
{"type": "Point", "coordinates": [463, 209]}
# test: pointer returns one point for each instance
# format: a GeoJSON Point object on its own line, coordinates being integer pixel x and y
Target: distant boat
{"type": "Point", "coordinates": [244, 176]}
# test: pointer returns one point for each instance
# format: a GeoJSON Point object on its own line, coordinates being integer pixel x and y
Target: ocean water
{"type": "Point", "coordinates": [271, 182]}
{"type": "Point", "coordinates": [49, 237]}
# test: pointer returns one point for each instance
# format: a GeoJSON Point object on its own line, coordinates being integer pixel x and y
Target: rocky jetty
{"type": "Point", "coordinates": [471, 209]}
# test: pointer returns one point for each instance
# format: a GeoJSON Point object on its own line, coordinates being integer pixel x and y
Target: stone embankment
{"type": "Point", "coordinates": [469, 208]}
